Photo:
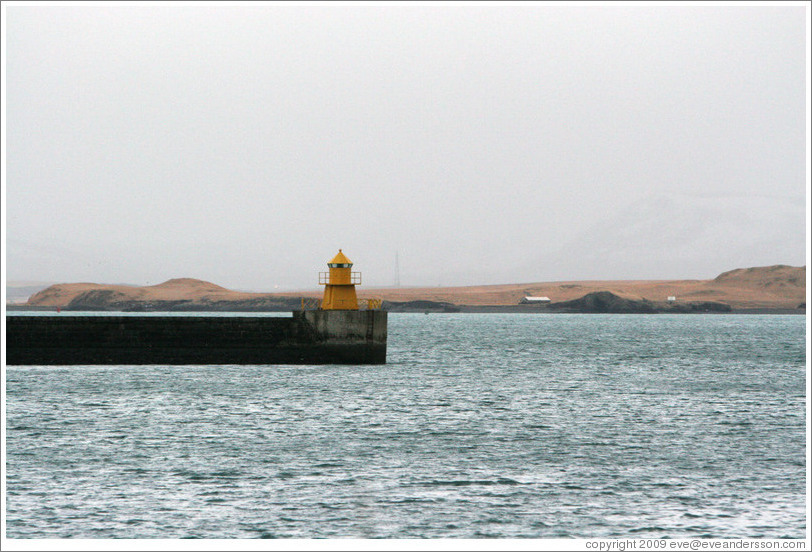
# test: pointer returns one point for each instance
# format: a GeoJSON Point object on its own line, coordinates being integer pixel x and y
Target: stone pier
{"type": "Point", "coordinates": [308, 337]}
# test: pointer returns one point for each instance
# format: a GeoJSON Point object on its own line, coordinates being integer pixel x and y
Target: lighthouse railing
{"type": "Point", "coordinates": [311, 303]}
{"type": "Point", "coordinates": [365, 303]}
{"type": "Point", "coordinates": [370, 303]}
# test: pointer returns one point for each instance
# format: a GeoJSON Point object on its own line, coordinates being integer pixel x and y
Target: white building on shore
{"type": "Point", "coordinates": [534, 300]}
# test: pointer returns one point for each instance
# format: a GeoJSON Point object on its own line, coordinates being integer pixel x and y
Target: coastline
{"type": "Point", "coordinates": [778, 289]}
{"type": "Point", "coordinates": [461, 309]}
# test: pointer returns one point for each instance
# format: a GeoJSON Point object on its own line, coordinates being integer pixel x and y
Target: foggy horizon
{"type": "Point", "coordinates": [244, 145]}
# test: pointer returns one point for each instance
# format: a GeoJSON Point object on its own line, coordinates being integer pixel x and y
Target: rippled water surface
{"type": "Point", "coordinates": [480, 425]}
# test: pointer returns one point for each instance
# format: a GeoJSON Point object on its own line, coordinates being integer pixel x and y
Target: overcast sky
{"type": "Point", "coordinates": [244, 145]}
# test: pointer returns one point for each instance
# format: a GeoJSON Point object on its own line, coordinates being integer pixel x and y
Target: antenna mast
{"type": "Point", "coordinates": [397, 270]}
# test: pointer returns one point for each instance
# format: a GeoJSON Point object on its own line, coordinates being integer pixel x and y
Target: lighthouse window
{"type": "Point", "coordinates": [339, 265]}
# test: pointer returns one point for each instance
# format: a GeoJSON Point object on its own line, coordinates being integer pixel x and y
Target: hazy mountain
{"type": "Point", "coordinates": [19, 292]}
{"type": "Point", "coordinates": [680, 236]}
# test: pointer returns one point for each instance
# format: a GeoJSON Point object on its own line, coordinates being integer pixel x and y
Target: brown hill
{"type": "Point", "coordinates": [178, 289]}
{"type": "Point", "coordinates": [780, 275]}
{"type": "Point", "coordinates": [777, 286]}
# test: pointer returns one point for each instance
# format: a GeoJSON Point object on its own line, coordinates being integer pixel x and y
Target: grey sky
{"type": "Point", "coordinates": [486, 144]}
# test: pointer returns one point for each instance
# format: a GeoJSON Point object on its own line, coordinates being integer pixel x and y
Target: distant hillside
{"type": "Point", "coordinates": [114, 296]}
{"type": "Point", "coordinates": [780, 286]}
{"type": "Point", "coordinates": [778, 275]}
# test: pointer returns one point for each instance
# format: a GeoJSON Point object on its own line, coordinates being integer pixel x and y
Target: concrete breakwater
{"type": "Point", "coordinates": [308, 337]}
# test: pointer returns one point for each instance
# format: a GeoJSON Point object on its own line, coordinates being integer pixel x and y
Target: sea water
{"type": "Point", "coordinates": [479, 425]}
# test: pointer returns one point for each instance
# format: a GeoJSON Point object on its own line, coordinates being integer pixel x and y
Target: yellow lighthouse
{"type": "Point", "coordinates": [339, 284]}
